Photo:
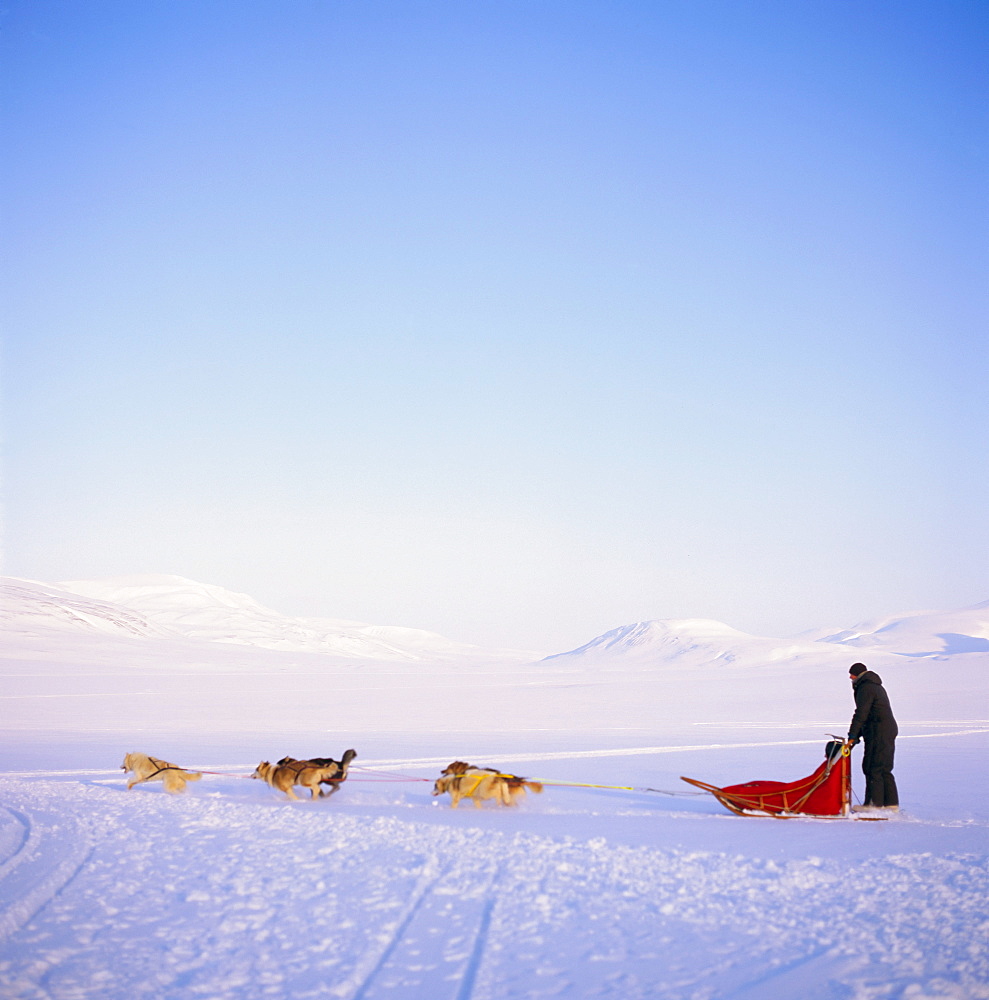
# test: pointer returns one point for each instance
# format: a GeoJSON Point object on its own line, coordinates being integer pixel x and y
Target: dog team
{"type": "Point", "coordinates": [323, 776]}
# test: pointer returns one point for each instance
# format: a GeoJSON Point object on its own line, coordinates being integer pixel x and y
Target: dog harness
{"type": "Point", "coordinates": [165, 766]}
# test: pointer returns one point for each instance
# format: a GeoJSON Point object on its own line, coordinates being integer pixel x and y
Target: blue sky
{"type": "Point", "coordinates": [516, 321]}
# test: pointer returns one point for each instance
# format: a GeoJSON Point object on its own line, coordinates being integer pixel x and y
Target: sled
{"type": "Point", "coordinates": [825, 794]}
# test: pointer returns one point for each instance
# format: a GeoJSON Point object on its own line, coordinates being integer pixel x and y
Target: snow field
{"type": "Point", "coordinates": [234, 894]}
{"type": "Point", "coordinates": [231, 891]}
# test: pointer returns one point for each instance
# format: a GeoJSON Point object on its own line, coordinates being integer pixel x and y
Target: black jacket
{"type": "Point", "coordinates": [873, 719]}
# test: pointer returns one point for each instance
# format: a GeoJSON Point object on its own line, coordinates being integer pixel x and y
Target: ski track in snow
{"type": "Point", "coordinates": [38, 867]}
{"type": "Point", "coordinates": [410, 763]}
{"type": "Point", "coordinates": [123, 896]}
{"type": "Point", "coordinates": [511, 758]}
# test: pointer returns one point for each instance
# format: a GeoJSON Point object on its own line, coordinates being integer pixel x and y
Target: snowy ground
{"type": "Point", "coordinates": [384, 891]}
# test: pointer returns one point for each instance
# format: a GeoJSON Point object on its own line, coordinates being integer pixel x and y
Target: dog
{"type": "Point", "coordinates": [308, 773]}
{"type": "Point", "coordinates": [147, 768]}
{"type": "Point", "coordinates": [516, 785]}
{"type": "Point", "coordinates": [464, 781]}
{"type": "Point", "coordinates": [332, 781]}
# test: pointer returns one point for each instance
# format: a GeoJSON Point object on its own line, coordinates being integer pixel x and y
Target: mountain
{"type": "Point", "coordinates": [921, 633]}
{"type": "Point", "coordinates": [27, 607]}
{"type": "Point", "coordinates": [669, 638]}
{"type": "Point", "coordinates": [682, 642]}
{"type": "Point", "coordinates": [162, 606]}
{"type": "Point", "coordinates": [698, 641]}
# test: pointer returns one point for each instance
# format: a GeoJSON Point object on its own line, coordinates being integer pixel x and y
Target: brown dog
{"type": "Point", "coordinates": [339, 769]}
{"type": "Point", "coordinates": [147, 768]}
{"type": "Point", "coordinates": [464, 781]}
{"type": "Point", "coordinates": [306, 773]}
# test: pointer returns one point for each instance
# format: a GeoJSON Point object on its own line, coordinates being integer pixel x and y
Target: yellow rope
{"type": "Point", "coordinates": [566, 784]}
{"type": "Point", "coordinates": [584, 784]}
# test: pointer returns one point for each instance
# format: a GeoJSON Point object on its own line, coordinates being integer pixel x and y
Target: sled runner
{"type": "Point", "coordinates": [825, 793]}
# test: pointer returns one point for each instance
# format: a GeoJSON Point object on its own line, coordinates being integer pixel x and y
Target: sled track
{"type": "Point", "coordinates": [428, 951]}
{"type": "Point", "coordinates": [973, 727]}
{"type": "Point", "coordinates": [477, 951]}
{"type": "Point", "coordinates": [414, 762]}
{"type": "Point", "coordinates": [31, 877]}
{"type": "Point", "coordinates": [375, 959]}
{"type": "Point", "coordinates": [14, 838]}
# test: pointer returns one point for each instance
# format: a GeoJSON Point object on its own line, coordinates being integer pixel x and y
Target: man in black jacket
{"type": "Point", "coordinates": [873, 721]}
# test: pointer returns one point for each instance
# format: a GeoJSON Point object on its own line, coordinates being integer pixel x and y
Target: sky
{"type": "Point", "coordinates": [515, 321]}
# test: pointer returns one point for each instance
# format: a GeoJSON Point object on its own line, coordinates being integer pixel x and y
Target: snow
{"type": "Point", "coordinates": [681, 635]}
{"type": "Point", "coordinates": [923, 633]}
{"type": "Point", "coordinates": [230, 890]}
{"type": "Point", "coordinates": [202, 611]}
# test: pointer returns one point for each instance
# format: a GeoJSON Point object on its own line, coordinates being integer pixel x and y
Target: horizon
{"type": "Point", "coordinates": [516, 323]}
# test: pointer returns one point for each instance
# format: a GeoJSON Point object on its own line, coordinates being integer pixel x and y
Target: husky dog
{"type": "Point", "coordinates": [310, 774]}
{"type": "Point", "coordinates": [147, 768]}
{"type": "Point", "coordinates": [463, 781]}
{"type": "Point", "coordinates": [339, 769]}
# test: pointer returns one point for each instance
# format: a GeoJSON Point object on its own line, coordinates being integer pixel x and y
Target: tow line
{"type": "Point", "coordinates": [391, 776]}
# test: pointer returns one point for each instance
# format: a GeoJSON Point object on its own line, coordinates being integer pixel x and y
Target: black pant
{"type": "Point", "coordinates": [877, 766]}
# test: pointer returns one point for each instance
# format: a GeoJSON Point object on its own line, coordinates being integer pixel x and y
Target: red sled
{"type": "Point", "coordinates": [826, 793]}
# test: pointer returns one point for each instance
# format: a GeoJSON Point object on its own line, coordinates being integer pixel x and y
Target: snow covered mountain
{"type": "Point", "coordinates": [681, 642]}
{"type": "Point", "coordinates": [27, 607]}
{"type": "Point", "coordinates": [157, 607]}
{"type": "Point", "coordinates": [163, 606]}
{"type": "Point", "coordinates": [697, 641]}
{"type": "Point", "coordinates": [666, 638]}
{"type": "Point", "coordinates": [921, 633]}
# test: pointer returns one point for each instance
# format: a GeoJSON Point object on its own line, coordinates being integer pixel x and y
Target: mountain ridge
{"type": "Point", "coordinates": [918, 634]}
{"type": "Point", "coordinates": [163, 606]}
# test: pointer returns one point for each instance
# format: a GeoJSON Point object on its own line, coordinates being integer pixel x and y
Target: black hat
{"type": "Point", "coordinates": [857, 668]}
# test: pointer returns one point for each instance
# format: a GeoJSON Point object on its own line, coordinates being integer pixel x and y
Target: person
{"type": "Point", "coordinates": [873, 721]}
